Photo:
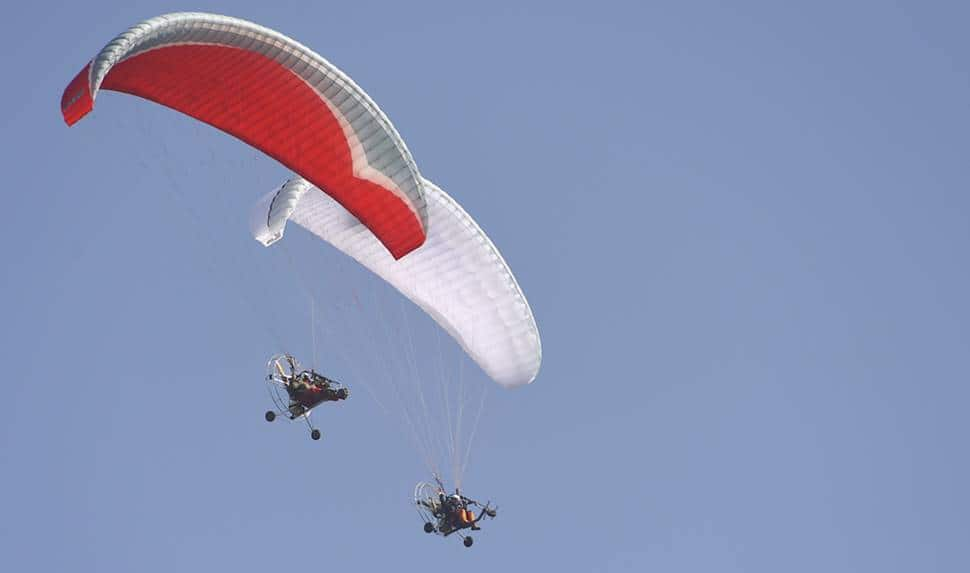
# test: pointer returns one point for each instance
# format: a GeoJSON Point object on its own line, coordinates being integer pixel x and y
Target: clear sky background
{"type": "Point", "coordinates": [743, 228]}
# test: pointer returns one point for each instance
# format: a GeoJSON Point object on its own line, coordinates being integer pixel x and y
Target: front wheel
{"type": "Point", "coordinates": [428, 527]}
{"type": "Point", "coordinates": [315, 434]}
{"type": "Point", "coordinates": [270, 415]}
{"type": "Point", "coordinates": [468, 541]}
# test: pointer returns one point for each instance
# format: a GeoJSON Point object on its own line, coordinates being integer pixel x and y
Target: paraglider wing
{"type": "Point", "coordinates": [457, 277]}
{"type": "Point", "coordinates": [276, 95]}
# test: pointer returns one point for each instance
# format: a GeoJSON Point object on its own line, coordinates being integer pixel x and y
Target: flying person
{"type": "Point", "coordinates": [455, 511]}
{"type": "Point", "coordinates": [306, 388]}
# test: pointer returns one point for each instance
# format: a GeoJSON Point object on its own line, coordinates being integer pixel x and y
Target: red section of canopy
{"type": "Point", "coordinates": [254, 98]}
{"type": "Point", "coordinates": [76, 101]}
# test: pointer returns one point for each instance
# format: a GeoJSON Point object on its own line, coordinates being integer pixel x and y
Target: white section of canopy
{"type": "Point", "coordinates": [458, 276]}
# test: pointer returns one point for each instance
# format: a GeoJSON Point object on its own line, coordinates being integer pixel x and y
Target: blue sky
{"type": "Point", "coordinates": [743, 230]}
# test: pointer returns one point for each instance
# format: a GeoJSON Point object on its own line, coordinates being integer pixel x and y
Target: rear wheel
{"type": "Point", "coordinates": [428, 527]}
{"type": "Point", "coordinates": [270, 415]}
{"type": "Point", "coordinates": [315, 434]}
{"type": "Point", "coordinates": [468, 541]}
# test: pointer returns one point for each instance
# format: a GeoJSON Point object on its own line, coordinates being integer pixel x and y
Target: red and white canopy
{"type": "Point", "coordinates": [276, 95]}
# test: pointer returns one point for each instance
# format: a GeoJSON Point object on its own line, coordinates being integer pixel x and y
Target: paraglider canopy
{"type": "Point", "coordinates": [276, 95]}
{"type": "Point", "coordinates": [458, 277]}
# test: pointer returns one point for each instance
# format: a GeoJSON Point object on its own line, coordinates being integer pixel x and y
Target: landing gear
{"type": "Point", "coordinates": [468, 541]}
{"type": "Point", "coordinates": [315, 434]}
{"type": "Point", "coordinates": [270, 415]}
{"type": "Point", "coordinates": [428, 527]}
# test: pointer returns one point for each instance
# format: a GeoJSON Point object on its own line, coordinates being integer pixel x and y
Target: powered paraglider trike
{"type": "Point", "coordinates": [445, 514]}
{"type": "Point", "coordinates": [296, 392]}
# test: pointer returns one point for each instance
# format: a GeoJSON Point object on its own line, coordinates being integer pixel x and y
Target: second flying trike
{"type": "Point", "coordinates": [445, 514]}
